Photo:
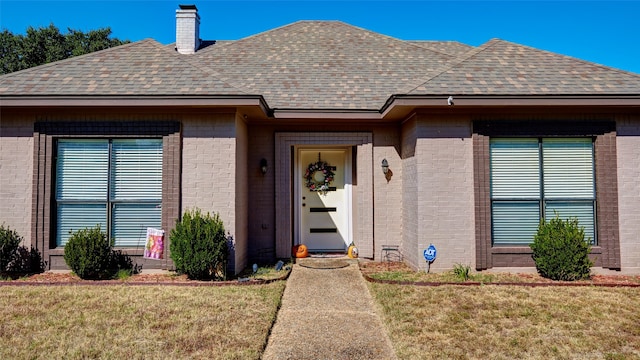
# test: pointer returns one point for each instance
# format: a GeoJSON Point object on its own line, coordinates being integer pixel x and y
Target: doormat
{"type": "Point", "coordinates": [316, 263]}
{"type": "Point", "coordinates": [328, 255]}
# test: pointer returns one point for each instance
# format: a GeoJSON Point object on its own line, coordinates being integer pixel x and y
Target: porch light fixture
{"type": "Point", "coordinates": [263, 166]}
{"type": "Point", "coordinates": [385, 166]}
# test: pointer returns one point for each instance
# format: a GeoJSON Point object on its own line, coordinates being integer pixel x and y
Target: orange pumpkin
{"type": "Point", "coordinates": [300, 251]}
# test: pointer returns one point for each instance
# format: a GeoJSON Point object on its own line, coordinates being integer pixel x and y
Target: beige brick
{"type": "Point", "coordinates": [628, 152]}
{"type": "Point", "coordinates": [16, 176]}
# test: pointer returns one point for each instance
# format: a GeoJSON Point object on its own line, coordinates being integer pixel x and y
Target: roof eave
{"type": "Point", "coordinates": [134, 101]}
{"type": "Point", "coordinates": [336, 114]}
{"type": "Point", "coordinates": [396, 102]}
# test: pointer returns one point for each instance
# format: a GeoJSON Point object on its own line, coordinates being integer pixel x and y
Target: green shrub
{"type": "Point", "coordinates": [15, 258]}
{"type": "Point", "coordinates": [560, 250]}
{"type": "Point", "coordinates": [9, 243]}
{"type": "Point", "coordinates": [199, 246]}
{"type": "Point", "coordinates": [90, 255]}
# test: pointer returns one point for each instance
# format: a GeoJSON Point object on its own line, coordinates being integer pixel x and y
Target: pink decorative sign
{"type": "Point", "coordinates": [154, 247]}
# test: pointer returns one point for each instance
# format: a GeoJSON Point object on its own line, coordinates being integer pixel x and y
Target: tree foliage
{"type": "Point", "coordinates": [43, 45]}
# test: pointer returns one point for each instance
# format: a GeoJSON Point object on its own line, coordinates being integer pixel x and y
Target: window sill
{"type": "Point", "coordinates": [527, 250]}
{"type": "Point", "coordinates": [59, 251]}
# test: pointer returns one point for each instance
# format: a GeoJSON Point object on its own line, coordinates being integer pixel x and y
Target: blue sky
{"type": "Point", "coordinates": [605, 32]}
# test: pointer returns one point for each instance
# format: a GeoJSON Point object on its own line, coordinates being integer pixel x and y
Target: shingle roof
{"type": "Point", "coordinates": [503, 68]}
{"type": "Point", "coordinates": [322, 65]}
{"type": "Point", "coordinates": [448, 47]}
{"type": "Point", "coordinates": [141, 68]}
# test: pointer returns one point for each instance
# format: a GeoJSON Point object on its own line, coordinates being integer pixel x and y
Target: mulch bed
{"type": "Point", "coordinates": [522, 279]}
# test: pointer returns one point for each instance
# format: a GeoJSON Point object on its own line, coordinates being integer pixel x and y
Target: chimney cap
{"type": "Point", "coordinates": [188, 7]}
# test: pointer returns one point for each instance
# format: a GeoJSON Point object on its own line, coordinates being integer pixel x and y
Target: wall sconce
{"type": "Point", "coordinates": [385, 166]}
{"type": "Point", "coordinates": [385, 169]}
{"type": "Point", "coordinates": [263, 166]}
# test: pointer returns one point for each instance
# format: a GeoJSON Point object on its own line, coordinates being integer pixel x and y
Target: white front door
{"type": "Point", "coordinates": [324, 213]}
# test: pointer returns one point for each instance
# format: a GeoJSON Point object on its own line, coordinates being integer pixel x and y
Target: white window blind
{"type": "Point", "coordinates": [568, 168]}
{"type": "Point", "coordinates": [515, 169]}
{"type": "Point", "coordinates": [583, 211]}
{"type": "Point", "coordinates": [72, 217]}
{"type": "Point", "coordinates": [136, 169]}
{"type": "Point", "coordinates": [515, 222]}
{"type": "Point", "coordinates": [81, 170]}
{"type": "Point", "coordinates": [130, 222]}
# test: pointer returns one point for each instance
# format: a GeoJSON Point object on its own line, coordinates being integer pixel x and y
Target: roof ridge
{"type": "Point", "coordinates": [458, 60]}
{"type": "Point", "coordinates": [74, 58]}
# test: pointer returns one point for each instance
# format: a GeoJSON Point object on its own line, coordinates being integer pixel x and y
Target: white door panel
{"type": "Point", "coordinates": [324, 215]}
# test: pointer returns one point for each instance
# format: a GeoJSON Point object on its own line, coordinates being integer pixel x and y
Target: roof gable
{"type": "Point", "coordinates": [504, 68]}
{"type": "Point", "coordinates": [141, 68]}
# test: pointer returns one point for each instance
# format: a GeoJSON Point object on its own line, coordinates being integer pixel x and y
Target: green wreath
{"type": "Point", "coordinates": [316, 184]}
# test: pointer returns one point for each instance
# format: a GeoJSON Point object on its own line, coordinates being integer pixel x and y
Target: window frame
{"type": "Point", "coordinates": [607, 253]}
{"type": "Point", "coordinates": [45, 134]}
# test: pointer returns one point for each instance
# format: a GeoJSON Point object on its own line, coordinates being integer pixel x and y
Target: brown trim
{"type": "Point", "coordinates": [414, 101]}
{"type": "Point", "coordinates": [607, 253]}
{"type": "Point", "coordinates": [45, 134]}
{"type": "Point", "coordinates": [482, 201]}
{"type": "Point", "coordinates": [362, 196]}
{"type": "Point", "coordinates": [607, 199]}
{"type": "Point", "coordinates": [132, 100]}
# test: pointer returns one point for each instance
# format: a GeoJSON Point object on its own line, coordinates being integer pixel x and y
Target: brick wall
{"type": "Point", "coordinates": [16, 175]}
{"type": "Point", "coordinates": [440, 197]}
{"type": "Point", "coordinates": [387, 196]}
{"type": "Point", "coordinates": [628, 151]}
{"type": "Point", "coordinates": [209, 169]}
{"type": "Point", "coordinates": [445, 171]}
{"type": "Point", "coordinates": [242, 196]}
{"type": "Point", "coordinates": [261, 189]}
{"type": "Point", "coordinates": [410, 193]}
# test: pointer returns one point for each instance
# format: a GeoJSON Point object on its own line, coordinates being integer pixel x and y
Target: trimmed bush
{"type": "Point", "coordinates": [199, 246]}
{"type": "Point", "coordinates": [17, 259]}
{"type": "Point", "coordinates": [90, 255]}
{"type": "Point", "coordinates": [560, 250]}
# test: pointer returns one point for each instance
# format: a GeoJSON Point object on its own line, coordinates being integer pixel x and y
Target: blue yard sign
{"type": "Point", "coordinates": [430, 253]}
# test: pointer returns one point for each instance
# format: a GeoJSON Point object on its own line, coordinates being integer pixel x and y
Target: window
{"type": "Point", "coordinates": [534, 178]}
{"type": "Point", "coordinates": [116, 183]}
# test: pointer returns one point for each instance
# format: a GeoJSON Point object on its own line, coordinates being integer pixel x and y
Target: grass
{"type": "Point", "coordinates": [135, 322]}
{"type": "Point", "coordinates": [266, 272]}
{"type": "Point", "coordinates": [511, 322]}
{"type": "Point", "coordinates": [397, 271]}
{"type": "Point", "coordinates": [400, 272]}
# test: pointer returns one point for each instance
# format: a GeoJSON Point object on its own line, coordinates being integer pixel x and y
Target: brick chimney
{"type": "Point", "coordinates": [187, 29]}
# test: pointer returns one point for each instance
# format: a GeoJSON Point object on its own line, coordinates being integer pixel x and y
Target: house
{"type": "Point", "coordinates": [321, 133]}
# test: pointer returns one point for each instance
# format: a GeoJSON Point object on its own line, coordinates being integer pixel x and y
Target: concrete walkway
{"type": "Point", "coordinates": [327, 314]}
